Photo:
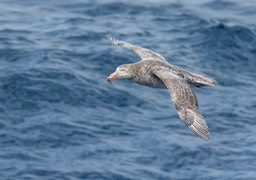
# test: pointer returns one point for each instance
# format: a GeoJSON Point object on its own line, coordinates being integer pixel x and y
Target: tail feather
{"type": "Point", "coordinates": [203, 80]}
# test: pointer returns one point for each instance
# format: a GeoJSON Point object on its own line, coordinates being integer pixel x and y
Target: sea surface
{"type": "Point", "coordinates": [60, 119]}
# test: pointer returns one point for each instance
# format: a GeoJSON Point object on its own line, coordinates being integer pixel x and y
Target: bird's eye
{"type": "Point", "coordinates": [122, 69]}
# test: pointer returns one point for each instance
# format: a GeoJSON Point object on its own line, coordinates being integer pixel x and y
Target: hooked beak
{"type": "Point", "coordinates": [112, 76]}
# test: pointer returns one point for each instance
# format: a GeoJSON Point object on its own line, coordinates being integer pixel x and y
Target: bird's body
{"type": "Point", "coordinates": [143, 72]}
{"type": "Point", "coordinates": [154, 71]}
{"type": "Point", "coordinates": [143, 75]}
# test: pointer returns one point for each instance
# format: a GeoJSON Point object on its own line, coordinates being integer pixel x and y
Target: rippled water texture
{"type": "Point", "coordinates": [60, 119]}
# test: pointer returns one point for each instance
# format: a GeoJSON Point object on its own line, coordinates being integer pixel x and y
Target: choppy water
{"type": "Point", "coordinates": [60, 119]}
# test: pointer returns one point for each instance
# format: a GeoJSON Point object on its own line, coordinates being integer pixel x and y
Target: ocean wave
{"type": "Point", "coordinates": [61, 119]}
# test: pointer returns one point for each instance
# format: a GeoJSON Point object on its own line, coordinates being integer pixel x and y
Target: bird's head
{"type": "Point", "coordinates": [122, 71]}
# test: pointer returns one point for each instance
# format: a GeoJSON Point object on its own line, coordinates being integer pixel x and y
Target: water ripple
{"type": "Point", "coordinates": [60, 119]}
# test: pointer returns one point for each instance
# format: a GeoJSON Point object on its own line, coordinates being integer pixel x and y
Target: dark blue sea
{"type": "Point", "coordinates": [60, 119]}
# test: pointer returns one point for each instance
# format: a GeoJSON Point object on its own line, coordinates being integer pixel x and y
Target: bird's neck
{"type": "Point", "coordinates": [133, 71]}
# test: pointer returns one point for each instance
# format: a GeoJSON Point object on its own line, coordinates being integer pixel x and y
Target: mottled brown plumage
{"type": "Point", "coordinates": [154, 71]}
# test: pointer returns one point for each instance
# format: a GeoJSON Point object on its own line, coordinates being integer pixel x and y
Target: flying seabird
{"type": "Point", "coordinates": [153, 70]}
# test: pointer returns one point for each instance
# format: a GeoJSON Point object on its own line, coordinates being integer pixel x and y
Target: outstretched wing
{"type": "Point", "coordinates": [142, 52]}
{"type": "Point", "coordinates": [185, 102]}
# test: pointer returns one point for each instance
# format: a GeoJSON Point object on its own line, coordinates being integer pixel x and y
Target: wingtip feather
{"type": "Point", "coordinates": [113, 40]}
{"type": "Point", "coordinates": [196, 131]}
{"type": "Point", "coordinates": [198, 125]}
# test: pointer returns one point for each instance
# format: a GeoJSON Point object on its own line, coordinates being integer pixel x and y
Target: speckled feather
{"type": "Point", "coordinates": [154, 71]}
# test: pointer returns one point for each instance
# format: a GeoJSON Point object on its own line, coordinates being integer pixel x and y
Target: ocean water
{"type": "Point", "coordinates": [60, 119]}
